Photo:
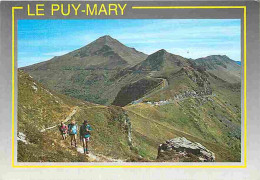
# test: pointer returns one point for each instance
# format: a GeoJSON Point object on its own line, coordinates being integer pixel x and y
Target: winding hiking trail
{"type": "Point", "coordinates": [97, 158]}
{"type": "Point", "coordinates": [68, 118]}
{"type": "Point", "coordinates": [91, 156]}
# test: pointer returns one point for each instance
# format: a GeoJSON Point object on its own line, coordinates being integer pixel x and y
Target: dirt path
{"type": "Point", "coordinates": [97, 158]}
{"type": "Point", "coordinates": [68, 118]}
{"type": "Point", "coordinates": [91, 157]}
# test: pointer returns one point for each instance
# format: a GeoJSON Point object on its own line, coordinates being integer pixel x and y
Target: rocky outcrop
{"type": "Point", "coordinates": [128, 127]}
{"type": "Point", "coordinates": [180, 149]}
{"type": "Point", "coordinates": [192, 93]}
{"type": "Point", "coordinates": [203, 96]}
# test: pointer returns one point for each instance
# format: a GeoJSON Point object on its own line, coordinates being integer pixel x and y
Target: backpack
{"type": "Point", "coordinates": [73, 128]}
{"type": "Point", "coordinates": [63, 129]}
{"type": "Point", "coordinates": [89, 128]}
{"type": "Point", "coordinates": [83, 130]}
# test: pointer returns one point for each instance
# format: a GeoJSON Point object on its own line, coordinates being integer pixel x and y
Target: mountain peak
{"type": "Point", "coordinates": [160, 53]}
{"type": "Point", "coordinates": [162, 50]}
{"type": "Point", "coordinates": [104, 43]}
{"type": "Point", "coordinates": [162, 59]}
{"type": "Point", "coordinates": [109, 50]}
{"type": "Point", "coordinates": [106, 37]}
{"type": "Point", "coordinates": [214, 58]}
{"type": "Point", "coordinates": [106, 40]}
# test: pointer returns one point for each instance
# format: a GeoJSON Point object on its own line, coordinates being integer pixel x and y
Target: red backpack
{"type": "Point", "coordinates": [64, 129]}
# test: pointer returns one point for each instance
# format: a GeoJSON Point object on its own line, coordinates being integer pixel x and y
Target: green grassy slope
{"type": "Point", "coordinates": [212, 119]}
{"type": "Point", "coordinates": [154, 125]}
{"type": "Point", "coordinates": [40, 108]}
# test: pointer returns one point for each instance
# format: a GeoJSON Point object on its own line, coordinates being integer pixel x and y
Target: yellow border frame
{"type": "Point", "coordinates": [137, 166]}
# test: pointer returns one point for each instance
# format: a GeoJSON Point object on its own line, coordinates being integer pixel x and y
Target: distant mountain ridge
{"type": "Point", "coordinates": [98, 71]}
{"type": "Point", "coordinates": [221, 66]}
{"type": "Point", "coordinates": [213, 61]}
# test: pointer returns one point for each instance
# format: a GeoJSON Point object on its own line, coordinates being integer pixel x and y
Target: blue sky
{"type": "Point", "coordinates": [40, 40]}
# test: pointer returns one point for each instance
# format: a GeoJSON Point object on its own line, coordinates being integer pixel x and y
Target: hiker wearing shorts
{"type": "Point", "coordinates": [85, 129]}
{"type": "Point", "coordinates": [73, 128]}
{"type": "Point", "coordinates": [63, 130]}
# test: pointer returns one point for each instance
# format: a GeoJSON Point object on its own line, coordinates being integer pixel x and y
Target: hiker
{"type": "Point", "coordinates": [63, 130]}
{"type": "Point", "coordinates": [73, 128]}
{"type": "Point", "coordinates": [85, 129]}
